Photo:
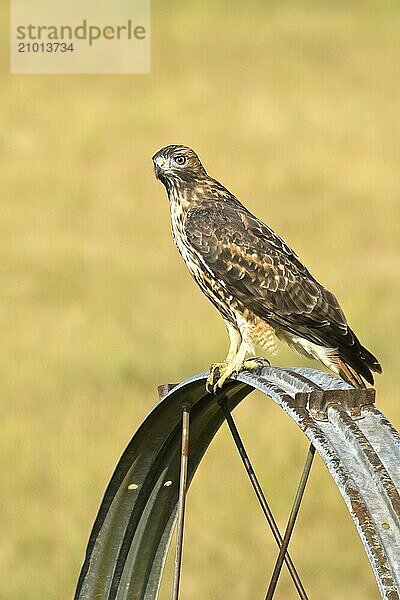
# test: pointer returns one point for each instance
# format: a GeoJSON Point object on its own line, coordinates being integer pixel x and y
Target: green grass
{"type": "Point", "coordinates": [292, 105]}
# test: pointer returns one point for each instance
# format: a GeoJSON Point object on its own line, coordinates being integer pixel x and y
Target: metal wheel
{"type": "Point", "coordinates": [146, 496]}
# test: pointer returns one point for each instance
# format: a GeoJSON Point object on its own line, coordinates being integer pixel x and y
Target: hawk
{"type": "Point", "coordinates": [256, 281]}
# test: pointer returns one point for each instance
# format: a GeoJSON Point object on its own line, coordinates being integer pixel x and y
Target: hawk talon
{"type": "Point", "coordinates": [216, 388]}
{"type": "Point", "coordinates": [252, 364]}
{"type": "Point", "coordinates": [257, 362]}
{"type": "Point", "coordinates": [219, 373]}
{"type": "Point", "coordinates": [219, 385]}
{"type": "Point", "coordinates": [214, 376]}
{"type": "Point", "coordinates": [226, 374]}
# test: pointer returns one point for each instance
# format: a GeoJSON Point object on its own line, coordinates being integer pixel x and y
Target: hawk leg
{"type": "Point", "coordinates": [234, 362]}
{"type": "Point", "coordinates": [217, 370]}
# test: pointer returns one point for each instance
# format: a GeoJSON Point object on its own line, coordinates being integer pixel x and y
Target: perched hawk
{"type": "Point", "coordinates": [259, 285]}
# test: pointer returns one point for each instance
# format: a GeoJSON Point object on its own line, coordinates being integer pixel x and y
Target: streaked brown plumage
{"type": "Point", "coordinates": [254, 279]}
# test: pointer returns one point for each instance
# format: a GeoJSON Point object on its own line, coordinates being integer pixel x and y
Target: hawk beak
{"type": "Point", "coordinates": [159, 164]}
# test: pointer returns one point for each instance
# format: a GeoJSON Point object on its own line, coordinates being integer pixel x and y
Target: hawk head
{"type": "Point", "coordinates": [177, 163]}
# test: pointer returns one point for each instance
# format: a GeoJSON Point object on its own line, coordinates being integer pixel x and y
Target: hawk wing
{"type": "Point", "coordinates": [268, 278]}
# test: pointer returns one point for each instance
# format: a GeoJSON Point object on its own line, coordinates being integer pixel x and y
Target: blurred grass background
{"type": "Point", "coordinates": [295, 107]}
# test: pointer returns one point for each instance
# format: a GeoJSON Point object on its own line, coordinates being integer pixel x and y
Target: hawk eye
{"type": "Point", "coordinates": [180, 160]}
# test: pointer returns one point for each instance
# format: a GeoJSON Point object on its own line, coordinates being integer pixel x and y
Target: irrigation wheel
{"type": "Point", "coordinates": [145, 498]}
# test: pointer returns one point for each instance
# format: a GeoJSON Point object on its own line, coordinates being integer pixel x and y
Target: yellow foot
{"type": "Point", "coordinates": [252, 364]}
{"type": "Point", "coordinates": [219, 373]}
{"type": "Point", "coordinates": [215, 373]}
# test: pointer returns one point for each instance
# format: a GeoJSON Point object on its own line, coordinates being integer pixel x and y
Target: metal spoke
{"type": "Point", "coordinates": [291, 522]}
{"type": "Point", "coordinates": [262, 500]}
{"type": "Point", "coordinates": [181, 501]}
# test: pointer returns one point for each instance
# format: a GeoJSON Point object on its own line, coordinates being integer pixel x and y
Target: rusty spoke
{"type": "Point", "coordinates": [262, 500]}
{"type": "Point", "coordinates": [181, 501]}
{"type": "Point", "coordinates": [291, 523]}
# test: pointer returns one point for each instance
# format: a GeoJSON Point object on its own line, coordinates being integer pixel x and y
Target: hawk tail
{"type": "Point", "coordinates": [350, 375]}
{"type": "Point", "coordinates": [354, 369]}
